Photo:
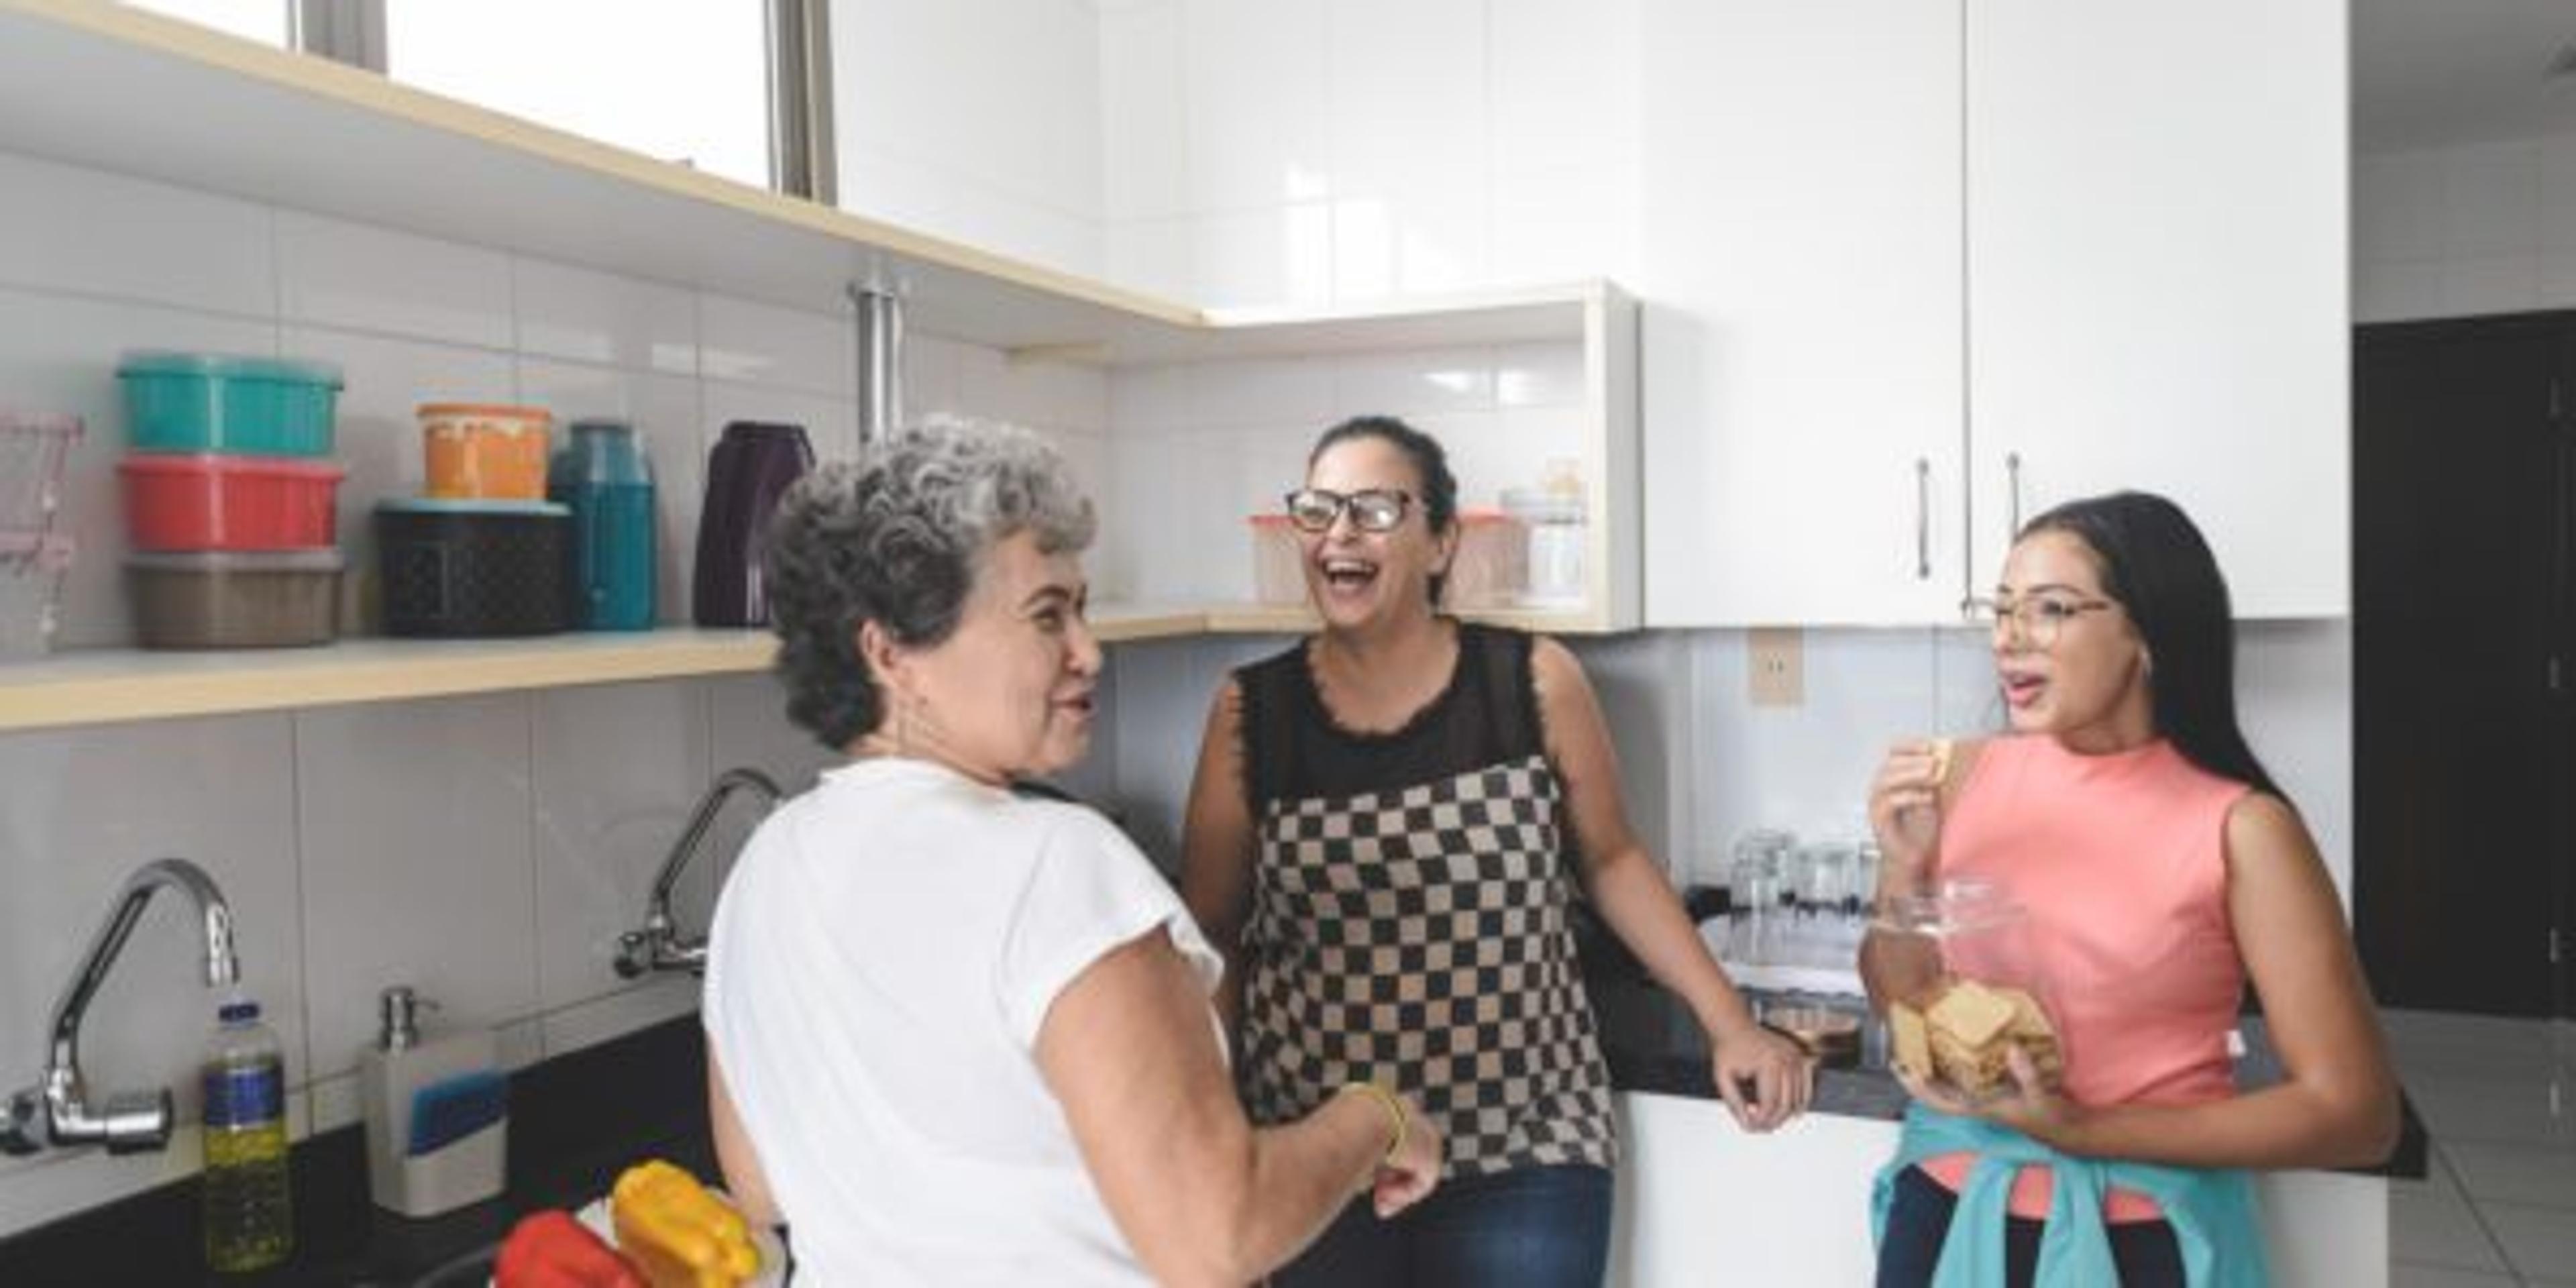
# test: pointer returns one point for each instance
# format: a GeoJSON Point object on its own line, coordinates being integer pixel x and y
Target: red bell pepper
{"type": "Point", "coordinates": [552, 1250]}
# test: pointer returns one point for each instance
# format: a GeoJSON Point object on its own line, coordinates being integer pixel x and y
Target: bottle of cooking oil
{"type": "Point", "coordinates": [249, 1209]}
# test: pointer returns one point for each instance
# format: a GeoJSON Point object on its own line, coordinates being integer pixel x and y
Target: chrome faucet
{"type": "Point", "coordinates": [133, 1121]}
{"type": "Point", "coordinates": [659, 945]}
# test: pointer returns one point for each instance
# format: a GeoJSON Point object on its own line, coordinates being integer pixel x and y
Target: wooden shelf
{"type": "Point", "coordinates": [108, 686]}
{"type": "Point", "coordinates": [120, 89]}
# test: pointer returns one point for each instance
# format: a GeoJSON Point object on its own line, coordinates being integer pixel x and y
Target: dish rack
{"type": "Point", "coordinates": [35, 546]}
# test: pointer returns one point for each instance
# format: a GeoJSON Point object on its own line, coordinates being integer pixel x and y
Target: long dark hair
{"type": "Point", "coordinates": [2156, 564]}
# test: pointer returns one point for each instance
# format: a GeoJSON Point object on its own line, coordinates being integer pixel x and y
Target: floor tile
{"type": "Point", "coordinates": [2536, 1176]}
{"type": "Point", "coordinates": [2537, 1241]}
{"type": "Point", "coordinates": [2402, 1275]}
{"type": "Point", "coordinates": [2533, 1110]}
{"type": "Point", "coordinates": [2436, 1227]}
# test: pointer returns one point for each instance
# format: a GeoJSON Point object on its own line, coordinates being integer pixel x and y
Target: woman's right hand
{"type": "Point", "coordinates": [1414, 1171]}
{"type": "Point", "coordinates": [1905, 811]}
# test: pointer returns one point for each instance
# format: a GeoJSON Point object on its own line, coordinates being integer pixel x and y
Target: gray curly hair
{"type": "Point", "coordinates": [897, 537]}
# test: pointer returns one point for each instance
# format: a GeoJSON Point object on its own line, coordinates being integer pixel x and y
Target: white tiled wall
{"type": "Point", "coordinates": [1257, 152]}
{"type": "Point", "coordinates": [2473, 228]}
{"type": "Point", "coordinates": [977, 120]}
{"type": "Point", "coordinates": [485, 849]}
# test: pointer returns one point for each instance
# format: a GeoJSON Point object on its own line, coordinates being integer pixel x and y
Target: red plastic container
{"type": "Point", "coordinates": [189, 502]}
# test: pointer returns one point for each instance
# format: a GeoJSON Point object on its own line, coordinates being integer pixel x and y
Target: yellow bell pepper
{"type": "Point", "coordinates": [677, 1233]}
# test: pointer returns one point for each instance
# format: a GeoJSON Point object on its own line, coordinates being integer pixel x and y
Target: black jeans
{"type": "Point", "coordinates": [1918, 1221]}
{"type": "Point", "coordinates": [1532, 1227]}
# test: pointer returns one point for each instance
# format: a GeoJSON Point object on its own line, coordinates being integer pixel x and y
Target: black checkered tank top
{"type": "Point", "coordinates": [1409, 916]}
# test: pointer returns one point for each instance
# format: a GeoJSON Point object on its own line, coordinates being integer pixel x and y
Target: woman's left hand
{"type": "Point", "coordinates": [1765, 1078]}
{"type": "Point", "coordinates": [2031, 1106]}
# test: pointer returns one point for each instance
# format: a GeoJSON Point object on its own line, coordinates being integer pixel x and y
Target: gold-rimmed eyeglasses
{"type": "Point", "coordinates": [2038, 619]}
{"type": "Point", "coordinates": [1374, 510]}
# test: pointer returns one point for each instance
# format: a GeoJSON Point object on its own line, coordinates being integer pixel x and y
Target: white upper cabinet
{"type": "Point", "coordinates": [1801, 270]}
{"type": "Point", "coordinates": [2044, 248]}
{"type": "Point", "coordinates": [2157, 277]}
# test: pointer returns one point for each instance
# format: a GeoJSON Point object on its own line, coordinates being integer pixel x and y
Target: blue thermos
{"type": "Point", "coordinates": [602, 474]}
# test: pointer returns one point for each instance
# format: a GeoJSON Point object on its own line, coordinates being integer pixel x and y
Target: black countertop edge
{"type": "Point", "coordinates": [1653, 1044]}
{"type": "Point", "coordinates": [576, 1121]}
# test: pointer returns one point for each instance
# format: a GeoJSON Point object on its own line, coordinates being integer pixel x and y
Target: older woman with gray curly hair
{"type": "Point", "coordinates": [959, 1036]}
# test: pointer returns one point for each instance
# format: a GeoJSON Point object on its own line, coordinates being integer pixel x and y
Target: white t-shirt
{"type": "Point", "coordinates": [880, 962]}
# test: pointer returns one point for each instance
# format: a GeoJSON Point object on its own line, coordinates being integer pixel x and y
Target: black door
{"type": "Point", "coordinates": [2461, 750]}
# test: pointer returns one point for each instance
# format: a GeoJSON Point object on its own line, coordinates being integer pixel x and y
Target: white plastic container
{"type": "Point", "coordinates": [33, 568]}
{"type": "Point", "coordinates": [1557, 537]}
{"type": "Point", "coordinates": [435, 1112]}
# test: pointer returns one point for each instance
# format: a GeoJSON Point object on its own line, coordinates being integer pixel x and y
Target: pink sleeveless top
{"type": "Point", "coordinates": [2120, 862]}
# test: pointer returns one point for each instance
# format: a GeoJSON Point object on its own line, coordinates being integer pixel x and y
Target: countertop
{"type": "Point", "coordinates": [1653, 1044]}
{"type": "Point", "coordinates": [575, 1123]}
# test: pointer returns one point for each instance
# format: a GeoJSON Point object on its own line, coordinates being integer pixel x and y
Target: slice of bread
{"type": "Point", "coordinates": [1912, 1040]}
{"type": "Point", "coordinates": [1967, 1032]}
{"type": "Point", "coordinates": [1972, 1014]}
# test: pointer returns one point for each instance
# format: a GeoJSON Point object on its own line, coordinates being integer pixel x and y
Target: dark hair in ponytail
{"type": "Point", "coordinates": [2156, 564]}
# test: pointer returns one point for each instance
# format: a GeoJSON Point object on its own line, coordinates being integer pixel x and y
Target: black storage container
{"type": "Point", "coordinates": [474, 568]}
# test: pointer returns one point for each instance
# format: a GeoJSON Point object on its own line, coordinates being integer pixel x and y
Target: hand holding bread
{"type": "Point", "coordinates": [1905, 808]}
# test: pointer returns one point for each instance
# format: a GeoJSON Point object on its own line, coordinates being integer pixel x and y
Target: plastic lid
{"type": "Point", "coordinates": [1543, 507]}
{"type": "Point", "coordinates": [470, 505]}
{"type": "Point", "coordinates": [602, 425]}
{"type": "Point", "coordinates": [238, 1012]}
{"type": "Point", "coordinates": [157, 362]}
{"type": "Point", "coordinates": [318, 559]}
{"type": "Point", "coordinates": [487, 411]}
{"type": "Point", "coordinates": [216, 463]}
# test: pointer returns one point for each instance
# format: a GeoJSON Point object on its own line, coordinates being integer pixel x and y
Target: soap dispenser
{"type": "Point", "coordinates": [437, 1112]}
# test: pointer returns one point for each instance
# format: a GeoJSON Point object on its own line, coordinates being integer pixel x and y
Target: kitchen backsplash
{"type": "Point", "coordinates": [1701, 764]}
{"type": "Point", "coordinates": [2467, 229]}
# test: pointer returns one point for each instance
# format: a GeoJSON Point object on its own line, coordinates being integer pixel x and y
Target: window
{"type": "Point", "coordinates": [262, 20]}
{"type": "Point", "coordinates": [681, 82]}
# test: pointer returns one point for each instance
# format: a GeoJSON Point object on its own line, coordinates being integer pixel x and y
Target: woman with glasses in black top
{"type": "Point", "coordinates": [1378, 841]}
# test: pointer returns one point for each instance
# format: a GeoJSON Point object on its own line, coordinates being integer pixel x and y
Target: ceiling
{"type": "Point", "coordinates": [2431, 72]}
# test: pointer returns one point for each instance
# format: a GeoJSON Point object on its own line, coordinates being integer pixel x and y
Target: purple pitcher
{"type": "Point", "coordinates": [750, 467]}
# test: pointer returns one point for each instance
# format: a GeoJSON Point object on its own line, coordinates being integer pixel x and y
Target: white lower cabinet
{"type": "Point", "coordinates": [1702, 1202]}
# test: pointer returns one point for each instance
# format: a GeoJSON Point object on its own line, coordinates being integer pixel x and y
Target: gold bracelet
{"type": "Point", "coordinates": [1394, 1110]}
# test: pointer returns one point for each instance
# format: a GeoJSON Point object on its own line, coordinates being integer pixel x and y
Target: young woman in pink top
{"type": "Point", "coordinates": [2160, 868]}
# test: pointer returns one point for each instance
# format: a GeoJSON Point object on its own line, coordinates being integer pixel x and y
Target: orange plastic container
{"type": "Point", "coordinates": [485, 451]}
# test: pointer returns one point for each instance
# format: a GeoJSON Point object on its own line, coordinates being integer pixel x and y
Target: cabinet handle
{"type": "Point", "coordinates": [1922, 519]}
{"type": "Point", "coordinates": [2012, 493]}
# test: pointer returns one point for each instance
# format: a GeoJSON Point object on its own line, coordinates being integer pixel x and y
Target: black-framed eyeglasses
{"type": "Point", "coordinates": [1374, 510]}
{"type": "Point", "coordinates": [2036, 618]}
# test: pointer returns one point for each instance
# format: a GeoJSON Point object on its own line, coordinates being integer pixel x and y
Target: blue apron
{"type": "Point", "coordinates": [2211, 1210]}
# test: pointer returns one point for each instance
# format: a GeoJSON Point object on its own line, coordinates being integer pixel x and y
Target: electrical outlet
{"type": "Point", "coordinates": [1776, 662]}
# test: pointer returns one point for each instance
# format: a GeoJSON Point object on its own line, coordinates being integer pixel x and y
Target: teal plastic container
{"type": "Point", "coordinates": [212, 402]}
{"type": "Point", "coordinates": [601, 475]}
